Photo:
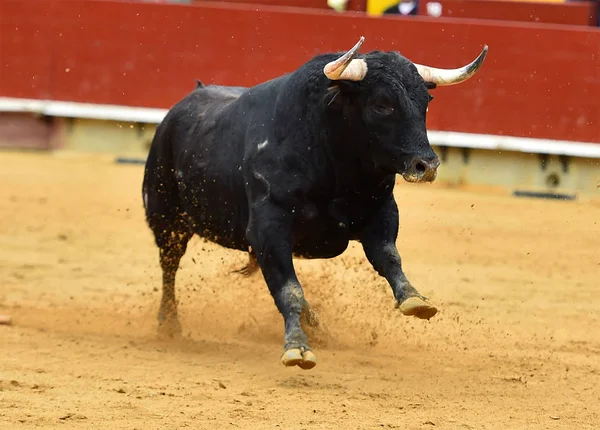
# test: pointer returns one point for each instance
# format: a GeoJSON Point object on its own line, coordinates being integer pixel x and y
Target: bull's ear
{"type": "Point", "coordinates": [431, 85]}
{"type": "Point", "coordinates": [334, 98]}
{"type": "Point", "coordinates": [340, 93]}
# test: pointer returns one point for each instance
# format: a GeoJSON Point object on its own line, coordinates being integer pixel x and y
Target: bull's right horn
{"type": "Point", "coordinates": [347, 68]}
{"type": "Point", "coordinates": [443, 77]}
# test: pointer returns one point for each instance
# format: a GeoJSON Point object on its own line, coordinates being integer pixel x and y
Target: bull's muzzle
{"type": "Point", "coordinates": [422, 170]}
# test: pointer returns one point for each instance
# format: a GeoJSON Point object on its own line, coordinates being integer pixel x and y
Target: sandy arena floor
{"type": "Point", "coordinates": [516, 344]}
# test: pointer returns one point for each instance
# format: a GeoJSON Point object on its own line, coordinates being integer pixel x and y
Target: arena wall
{"type": "Point", "coordinates": [131, 61]}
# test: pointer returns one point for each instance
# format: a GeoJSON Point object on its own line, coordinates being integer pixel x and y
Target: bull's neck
{"type": "Point", "coordinates": [347, 149]}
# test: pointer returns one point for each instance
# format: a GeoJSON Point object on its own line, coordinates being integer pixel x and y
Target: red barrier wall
{"type": "Point", "coordinates": [538, 80]}
{"type": "Point", "coordinates": [572, 13]}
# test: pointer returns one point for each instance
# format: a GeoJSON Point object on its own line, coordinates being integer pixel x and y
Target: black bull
{"type": "Point", "coordinates": [296, 166]}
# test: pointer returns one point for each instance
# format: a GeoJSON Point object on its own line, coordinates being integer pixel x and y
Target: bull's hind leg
{"type": "Point", "coordinates": [172, 243]}
{"type": "Point", "coordinates": [172, 232]}
{"type": "Point", "coordinates": [167, 220]}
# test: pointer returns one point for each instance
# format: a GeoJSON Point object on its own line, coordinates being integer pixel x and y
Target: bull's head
{"type": "Point", "coordinates": [390, 93]}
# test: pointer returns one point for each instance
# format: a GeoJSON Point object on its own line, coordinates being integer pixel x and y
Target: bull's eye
{"type": "Point", "coordinates": [383, 110]}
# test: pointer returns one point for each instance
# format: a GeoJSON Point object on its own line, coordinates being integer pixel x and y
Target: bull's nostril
{"type": "Point", "coordinates": [420, 167]}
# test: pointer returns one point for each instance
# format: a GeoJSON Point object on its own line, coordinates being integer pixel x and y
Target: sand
{"type": "Point", "coordinates": [516, 344]}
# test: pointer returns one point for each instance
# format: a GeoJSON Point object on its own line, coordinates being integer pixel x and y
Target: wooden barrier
{"type": "Point", "coordinates": [539, 81]}
{"type": "Point", "coordinates": [571, 13]}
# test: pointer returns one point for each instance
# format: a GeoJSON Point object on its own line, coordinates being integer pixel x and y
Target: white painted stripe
{"type": "Point", "coordinates": [437, 138]}
{"type": "Point", "coordinates": [511, 143]}
{"type": "Point", "coordinates": [83, 110]}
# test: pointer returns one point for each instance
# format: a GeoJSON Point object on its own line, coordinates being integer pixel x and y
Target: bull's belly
{"type": "Point", "coordinates": [222, 235]}
{"type": "Point", "coordinates": [310, 242]}
{"type": "Point", "coordinates": [219, 221]}
{"type": "Point", "coordinates": [326, 239]}
{"type": "Point", "coordinates": [219, 215]}
{"type": "Point", "coordinates": [323, 238]}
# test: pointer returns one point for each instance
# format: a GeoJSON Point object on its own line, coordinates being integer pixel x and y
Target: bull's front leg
{"type": "Point", "coordinates": [269, 234]}
{"type": "Point", "coordinates": [379, 243]}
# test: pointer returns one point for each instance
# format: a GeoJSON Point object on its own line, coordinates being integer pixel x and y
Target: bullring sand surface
{"type": "Point", "coordinates": [516, 344]}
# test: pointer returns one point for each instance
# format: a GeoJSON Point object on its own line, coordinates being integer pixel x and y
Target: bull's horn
{"type": "Point", "coordinates": [443, 77]}
{"type": "Point", "coordinates": [345, 68]}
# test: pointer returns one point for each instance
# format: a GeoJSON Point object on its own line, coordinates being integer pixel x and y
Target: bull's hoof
{"type": "Point", "coordinates": [297, 357]}
{"type": "Point", "coordinates": [169, 329]}
{"type": "Point", "coordinates": [417, 307]}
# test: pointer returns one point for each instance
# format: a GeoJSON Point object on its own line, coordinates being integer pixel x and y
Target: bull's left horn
{"type": "Point", "coordinates": [444, 77]}
{"type": "Point", "coordinates": [345, 67]}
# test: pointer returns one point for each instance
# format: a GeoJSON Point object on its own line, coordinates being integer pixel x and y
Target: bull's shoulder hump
{"type": "Point", "coordinates": [210, 96]}
{"type": "Point", "coordinates": [221, 92]}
